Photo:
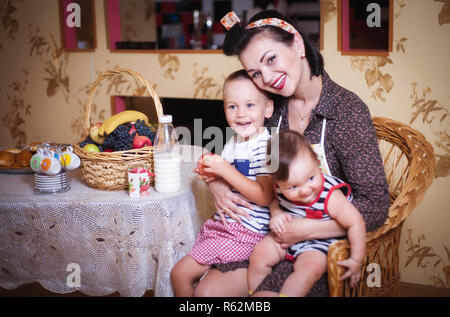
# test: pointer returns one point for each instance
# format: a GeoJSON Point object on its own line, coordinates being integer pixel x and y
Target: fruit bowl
{"type": "Point", "coordinates": [108, 170]}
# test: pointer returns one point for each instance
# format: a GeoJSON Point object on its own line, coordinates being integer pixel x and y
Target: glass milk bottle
{"type": "Point", "coordinates": [167, 158]}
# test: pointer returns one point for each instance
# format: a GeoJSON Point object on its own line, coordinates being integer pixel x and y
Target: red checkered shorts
{"type": "Point", "coordinates": [219, 243]}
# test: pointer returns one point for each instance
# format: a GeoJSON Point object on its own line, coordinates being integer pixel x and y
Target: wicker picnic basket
{"type": "Point", "coordinates": [108, 170]}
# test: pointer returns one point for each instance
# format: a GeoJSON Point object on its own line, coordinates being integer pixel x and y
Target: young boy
{"type": "Point", "coordinates": [243, 165]}
{"type": "Point", "coordinates": [304, 191]}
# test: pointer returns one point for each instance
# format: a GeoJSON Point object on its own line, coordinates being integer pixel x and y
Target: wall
{"type": "Point", "coordinates": [137, 22]}
{"type": "Point", "coordinates": [411, 86]}
{"type": "Point", "coordinates": [42, 83]}
{"type": "Point", "coordinates": [43, 89]}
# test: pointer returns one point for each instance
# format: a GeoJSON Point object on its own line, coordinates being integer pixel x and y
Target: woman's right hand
{"type": "Point", "coordinates": [227, 202]}
{"type": "Point", "coordinates": [300, 229]}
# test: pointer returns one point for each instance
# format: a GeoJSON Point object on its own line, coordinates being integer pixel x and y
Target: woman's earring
{"type": "Point", "coordinates": [303, 54]}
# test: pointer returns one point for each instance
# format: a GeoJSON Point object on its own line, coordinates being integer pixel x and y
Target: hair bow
{"type": "Point", "coordinates": [229, 20]}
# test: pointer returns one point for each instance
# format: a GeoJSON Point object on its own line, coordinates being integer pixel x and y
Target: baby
{"type": "Point", "coordinates": [302, 190]}
{"type": "Point", "coordinates": [243, 166]}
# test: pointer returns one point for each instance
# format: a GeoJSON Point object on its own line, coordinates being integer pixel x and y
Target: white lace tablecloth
{"type": "Point", "coordinates": [120, 243]}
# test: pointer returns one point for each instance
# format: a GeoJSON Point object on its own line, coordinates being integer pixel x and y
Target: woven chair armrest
{"type": "Point", "coordinates": [378, 251]}
{"type": "Point", "coordinates": [338, 251]}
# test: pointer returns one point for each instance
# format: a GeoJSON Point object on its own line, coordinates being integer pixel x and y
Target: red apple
{"type": "Point", "coordinates": [201, 166]}
{"type": "Point", "coordinates": [141, 141]}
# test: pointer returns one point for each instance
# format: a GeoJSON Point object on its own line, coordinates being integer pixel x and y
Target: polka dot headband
{"type": "Point", "coordinates": [231, 19]}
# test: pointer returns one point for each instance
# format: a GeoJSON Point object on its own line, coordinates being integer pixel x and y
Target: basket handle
{"type": "Point", "coordinates": [111, 73]}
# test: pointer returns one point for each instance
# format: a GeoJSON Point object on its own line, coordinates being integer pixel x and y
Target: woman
{"type": "Point", "coordinates": [282, 61]}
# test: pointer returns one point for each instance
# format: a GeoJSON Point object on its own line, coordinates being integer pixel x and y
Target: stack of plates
{"type": "Point", "coordinates": [45, 184]}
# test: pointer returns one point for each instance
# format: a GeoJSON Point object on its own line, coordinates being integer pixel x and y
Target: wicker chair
{"type": "Point", "coordinates": [409, 165]}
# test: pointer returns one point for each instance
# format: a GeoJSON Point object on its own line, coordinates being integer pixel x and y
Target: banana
{"type": "Point", "coordinates": [120, 118]}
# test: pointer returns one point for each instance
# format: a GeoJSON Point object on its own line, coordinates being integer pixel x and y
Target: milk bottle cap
{"type": "Point", "coordinates": [167, 118]}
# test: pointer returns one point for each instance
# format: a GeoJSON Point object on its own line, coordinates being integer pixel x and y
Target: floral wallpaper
{"type": "Point", "coordinates": [444, 15]}
{"type": "Point", "coordinates": [10, 24]}
{"type": "Point", "coordinates": [380, 83]}
{"type": "Point", "coordinates": [423, 106]}
{"type": "Point", "coordinates": [205, 87]}
{"type": "Point", "coordinates": [435, 264]}
{"type": "Point", "coordinates": [443, 137]}
{"type": "Point", "coordinates": [41, 81]}
{"type": "Point", "coordinates": [55, 60]}
{"type": "Point", "coordinates": [14, 119]}
{"type": "Point", "coordinates": [431, 110]}
{"type": "Point", "coordinates": [170, 63]}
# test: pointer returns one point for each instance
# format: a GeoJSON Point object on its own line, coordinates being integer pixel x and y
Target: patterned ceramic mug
{"type": "Point", "coordinates": [138, 182]}
{"type": "Point", "coordinates": [50, 165]}
{"type": "Point", "coordinates": [35, 161]}
{"type": "Point", "coordinates": [69, 160]}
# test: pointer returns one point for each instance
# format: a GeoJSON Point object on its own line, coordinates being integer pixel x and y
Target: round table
{"type": "Point", "coordinates": [98, 242]}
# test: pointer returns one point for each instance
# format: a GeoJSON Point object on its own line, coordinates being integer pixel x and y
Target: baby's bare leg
{"type": "Point", "coordinates": [184, 274]}
{"type": "Point", "coordinates": [264, 256]}
{"type": "Point", "coordinates": [308, 269]}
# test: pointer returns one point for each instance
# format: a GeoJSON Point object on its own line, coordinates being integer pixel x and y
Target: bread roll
{"type": "Point", "coordinates": [6, 159]}
{"type": "Point", "coordinates": [23, 158]}
{"type": "Point", "coordinates": [13, 150]}
{"type": "Point", "coordinates": [34, 146]}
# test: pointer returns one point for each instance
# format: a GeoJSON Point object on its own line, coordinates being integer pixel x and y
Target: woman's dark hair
{"type": "Point", "coordinates": [289, 143]}
{"type": "Point", "coordinates": [237, 39]}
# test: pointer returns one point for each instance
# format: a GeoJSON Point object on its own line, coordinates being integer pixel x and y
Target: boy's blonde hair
{"type": "Point", "coordinates": [242, 74]}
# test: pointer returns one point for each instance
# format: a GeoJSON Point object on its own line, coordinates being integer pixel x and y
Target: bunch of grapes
{"type": "Point", "coordinates": [120, 139]}
{"type": "Point", "coordinates": [143, 129]}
